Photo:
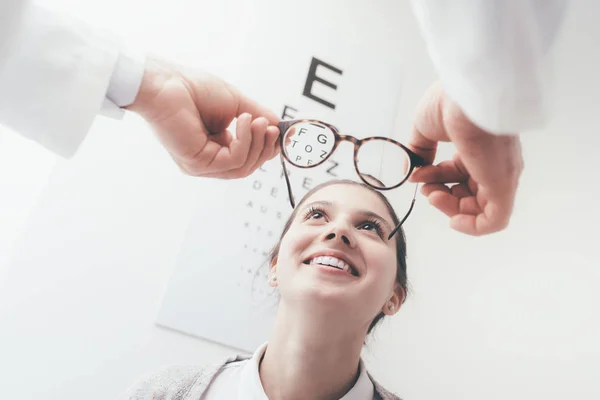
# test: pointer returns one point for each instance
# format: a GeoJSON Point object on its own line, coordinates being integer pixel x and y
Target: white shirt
{"type": "Point", "coordinates": [493, 57]}
{"type": "Point", "coordinates": [241, 381]}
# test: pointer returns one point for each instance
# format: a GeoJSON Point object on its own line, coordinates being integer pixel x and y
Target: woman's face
{"type": "Point", "coordinates": [337, 258]}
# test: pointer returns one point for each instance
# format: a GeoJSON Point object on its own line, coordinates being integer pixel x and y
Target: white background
{"type": "Point", "coordinates": [513, 315]}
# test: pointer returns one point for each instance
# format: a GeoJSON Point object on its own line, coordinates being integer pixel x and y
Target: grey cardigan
{"type": "Point", "coordinates": [189, 383]}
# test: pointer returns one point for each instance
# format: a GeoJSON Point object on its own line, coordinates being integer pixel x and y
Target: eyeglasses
{"type": "Point", "coordinates": [309, 143]}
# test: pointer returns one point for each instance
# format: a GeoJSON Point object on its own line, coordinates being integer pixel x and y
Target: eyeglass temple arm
{"type": "Point", "coordinates": [412, 204]}
{"type": "Point", "coordinates": [287, 181]}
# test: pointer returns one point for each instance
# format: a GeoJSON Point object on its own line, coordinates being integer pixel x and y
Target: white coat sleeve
{"type": "Point", "coordinates": [493, 57]}
{"type": "Point", "coordinates": [11, 12]}
{"type": "Point", "coordinates": [54, 75]}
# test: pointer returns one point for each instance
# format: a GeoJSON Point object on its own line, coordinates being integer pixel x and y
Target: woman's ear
{"type": "Point", "coordinates": [394, 303]}
{"type": "Point", "coordinates": [273, 272]}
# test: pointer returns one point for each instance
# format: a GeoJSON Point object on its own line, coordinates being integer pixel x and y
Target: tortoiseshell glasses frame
{"type": "Point", "coordinates": [414, 159]}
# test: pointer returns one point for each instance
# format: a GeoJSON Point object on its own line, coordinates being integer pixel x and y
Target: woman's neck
{"type": "Point", "coordinates": [308, 359]}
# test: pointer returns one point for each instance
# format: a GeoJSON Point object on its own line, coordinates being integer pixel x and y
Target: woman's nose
{"type": "Point", "coordinates": [340, 234]}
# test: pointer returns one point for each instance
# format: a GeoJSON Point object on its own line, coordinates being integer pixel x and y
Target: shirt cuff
{"type": "Point", "coordinates": [126, 79]}
{"type": "Point", "coordinates": [111, 110]}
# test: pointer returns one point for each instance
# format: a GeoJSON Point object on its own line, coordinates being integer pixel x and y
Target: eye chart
{"type": "Point", "coordinates": [219, 289]}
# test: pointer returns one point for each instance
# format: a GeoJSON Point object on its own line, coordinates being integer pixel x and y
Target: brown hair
{"type": "Point", "coordinates": [401, 277]}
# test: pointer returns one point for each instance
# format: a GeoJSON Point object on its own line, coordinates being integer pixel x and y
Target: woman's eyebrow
{"type": "Point", "coordinates": [324, 203]}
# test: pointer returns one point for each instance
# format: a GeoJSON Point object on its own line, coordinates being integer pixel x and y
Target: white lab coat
{"type": "Point", "coordinates": [492, 56]}
{"type": "Point", "coordinates": [53, 75]}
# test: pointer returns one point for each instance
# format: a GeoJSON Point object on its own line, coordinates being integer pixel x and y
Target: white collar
{"type": "Point", "coordinates": [251, 387]}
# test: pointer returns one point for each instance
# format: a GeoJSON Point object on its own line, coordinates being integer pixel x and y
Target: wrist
{"type": "Point", "coordinates": [156, 74]}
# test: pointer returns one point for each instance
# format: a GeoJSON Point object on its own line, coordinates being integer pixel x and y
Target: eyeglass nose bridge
{"type": "Point", "coordinates": [348, 138]}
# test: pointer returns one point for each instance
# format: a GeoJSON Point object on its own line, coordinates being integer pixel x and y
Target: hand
{"type": "Point", "coordinates": [191, 112]}
{"type": "Point", "coordinates": [478, 186]}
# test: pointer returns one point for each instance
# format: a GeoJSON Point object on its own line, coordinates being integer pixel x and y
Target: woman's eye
{"type": "Point", "coordinates": [316, 215]}
{"type": "Point", "coordinates": [372, 226]}
{"type": "Point", "coordinates": [368, 226]}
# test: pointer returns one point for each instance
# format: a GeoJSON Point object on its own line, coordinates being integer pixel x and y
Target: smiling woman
{"type": "Point", "coordinates": [338, 274]}
{"type": "Point", "coordinates": [323, 205]}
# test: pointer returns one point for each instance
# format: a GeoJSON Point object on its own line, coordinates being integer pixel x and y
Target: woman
{"type": "Point", "coordinates": [337, 275]}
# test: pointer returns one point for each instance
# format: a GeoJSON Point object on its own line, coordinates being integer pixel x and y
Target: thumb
{"type": "Point", "coordinates": [428, 128]}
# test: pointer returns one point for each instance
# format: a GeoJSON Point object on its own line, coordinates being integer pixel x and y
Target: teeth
{"type": "Point", "coordinates": [344, 266]}
{"type": "Point", "coordinates": [331, 261]}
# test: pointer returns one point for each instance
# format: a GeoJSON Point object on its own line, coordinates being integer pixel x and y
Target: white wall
{"type": "Point", "coordinates": [512, 315]}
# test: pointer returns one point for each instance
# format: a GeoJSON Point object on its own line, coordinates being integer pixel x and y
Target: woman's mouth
{"type": "Point", "coordinates": [332, 262]}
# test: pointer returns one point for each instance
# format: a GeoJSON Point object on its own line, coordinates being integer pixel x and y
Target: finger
{"type": "Point", "coordinates": [224, 138]}
{"type": "Point", "coordinates": [259, 129]}
{"type": "Point", "coordinates": [423, 147]}
{"type": "Point", "coordinates": [271, 135]}
{"type": "Point", "coordinates": [221, 175]}
{"type": "Point", "coordinates": [428, 128]}
{"type": "Point", "coordinates": [194, 163]}
{"type": "Point", "coordinates": [461, 190]}
{"type": "Point", "coordinates": [243, 153]}
{"type": "Point", "coordinates": [465, 224]}
{"type": "Point", "coordinates": [451, 205]}
{"type": "Point", "coordinates": [272, 149]}
{"type": "Point", "coordinates": [473, 186]}
{"type": "Point", "coordinates": [257, 151]}
{"type": "Point", "coordinates": [235, 156]}
{"type": "Point", "coordinates": [490, 221]}
{"type": "Point", "coordinates": [444, 202]}
{"type": "Point", "coordinates": [444, 172]}
{"type": "Point", "coordinates": [429, 188]}
{"type": "Point", "coordinates": [272, 142]}
{"type": "Point", "coordinates": [469, 206]}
